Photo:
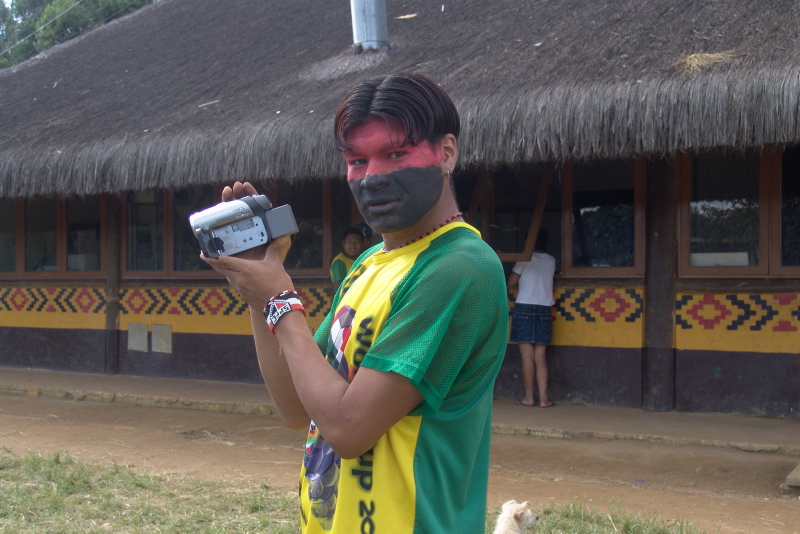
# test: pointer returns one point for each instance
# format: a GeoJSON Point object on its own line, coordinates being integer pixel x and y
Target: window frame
{"type": "Point", "coordinates": [774, 156]}
{"type": "Point", "coordinates": [769, 246]}
{"type": "Point", "coordinates": [168, 252]}
{"type": "Point", "coordinates": [637, 270]}
{"type": "Point", "coordinates": [483, 202]}
{"type": "Point", "coordinates": [270, 189]}
{"type": "Point", "coordinates": [327, 238]}
{"type": "Point", "coordinates": [61, 271]}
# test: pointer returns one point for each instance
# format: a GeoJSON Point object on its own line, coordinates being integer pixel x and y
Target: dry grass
{"type": "Point", "coordinates": [694, 63]}
{"type": "Point", "coordinates": [58, 494]}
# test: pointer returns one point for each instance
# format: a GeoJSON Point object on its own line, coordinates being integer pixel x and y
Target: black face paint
{"type": "Point", "coordinates": [395, 201]}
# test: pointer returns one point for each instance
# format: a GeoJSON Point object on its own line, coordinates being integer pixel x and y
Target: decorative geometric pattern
{"type": "Point", "coordinates": [738, 312]}
{"type": "Point", "coordinates": [146, 301]}
{"type": "Point", "coordinates": [181, 301]}
{"type": "Point", "coordinates": [207, 301]}
{"type": "Point", "coordinates": [610, 317]}
{"type": "Point", "coordinates": [317, 300]}
{"type": "Point", "coordinates": [606, 305]}
{"type": "Point", "coordinates": [86, 300]}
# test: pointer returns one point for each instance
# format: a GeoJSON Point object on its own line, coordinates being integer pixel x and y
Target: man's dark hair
{"type": "Point", "coordinates": [412, 101]}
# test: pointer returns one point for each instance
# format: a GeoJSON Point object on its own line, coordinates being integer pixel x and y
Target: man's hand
{"type": "Point", "coordinates": [256, 274]}
{"type": "Point", "coordinates": [238, 190]}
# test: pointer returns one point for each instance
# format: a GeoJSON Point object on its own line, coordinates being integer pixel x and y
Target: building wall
{"type": "Point", "coordinates": [596, 355]}
{"type": "Point", "coordinates": [734, 352]}
{"type": "Point", "coordinates": [738, 352]}
{"type": "Point", "coordinates": [53, 327]}
{"type": "Point", "coordinates": [189, 332]}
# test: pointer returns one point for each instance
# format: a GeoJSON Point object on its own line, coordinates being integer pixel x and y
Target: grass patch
{"type": "Point", "coordinates": [577, 519]}
{"type": "Point", "coordinates": [58, 494]}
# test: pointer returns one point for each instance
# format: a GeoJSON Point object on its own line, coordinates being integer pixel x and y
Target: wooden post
{"type": "Point", "coordinates": [112, 259]}
{"type": "Point", "coordinates": [658, 354]}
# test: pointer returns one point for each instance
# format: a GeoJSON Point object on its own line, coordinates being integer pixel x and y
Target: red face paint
{"type": "Point", "coordinates": [394, 186]}
{"type": "Point", "coordinates": [376, 148]}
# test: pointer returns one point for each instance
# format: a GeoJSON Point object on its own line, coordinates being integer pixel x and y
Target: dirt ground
{"type": "Point", "coordinates": [719, 490]}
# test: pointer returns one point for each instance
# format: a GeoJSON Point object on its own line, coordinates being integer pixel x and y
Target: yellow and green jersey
{"type": "Point", "coordinates": [436, 312]}
{"type": "Point", "coordinates": [339, 267]}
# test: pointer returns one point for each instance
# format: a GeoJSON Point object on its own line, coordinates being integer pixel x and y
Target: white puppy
{"type": "Point", "coordinates": [514, 517]}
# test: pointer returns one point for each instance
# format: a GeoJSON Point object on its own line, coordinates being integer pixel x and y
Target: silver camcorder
{"type": "Point", "coordinates": [238, 225]}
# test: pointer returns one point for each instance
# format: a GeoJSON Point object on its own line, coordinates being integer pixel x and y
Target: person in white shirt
{"type": "Point", "coordinates": [532, 318]}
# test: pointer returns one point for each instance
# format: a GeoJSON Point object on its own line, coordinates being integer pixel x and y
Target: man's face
{"type": "Point", "coordinates": [393, 187]}
{"type": "Point", "coordinates": [352, 245]}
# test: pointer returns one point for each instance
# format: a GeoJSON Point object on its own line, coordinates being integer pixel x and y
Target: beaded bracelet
{"type": "Point", "coordinates": [280, 304]}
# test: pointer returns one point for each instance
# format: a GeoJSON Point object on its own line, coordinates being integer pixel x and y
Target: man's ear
{"type": "Point", "coordinates": [449, 147]}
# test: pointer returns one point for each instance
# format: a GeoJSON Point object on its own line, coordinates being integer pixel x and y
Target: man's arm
{"type": "Point", "coordinates": [276, 373]}
{"type": "Point", "coordinates": [351, 416]}
{"type": "Point", "coordinates": [513, 279]}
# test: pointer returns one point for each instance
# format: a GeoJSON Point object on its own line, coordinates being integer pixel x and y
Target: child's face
{"type": "Point", "coordinates": [352, 245]}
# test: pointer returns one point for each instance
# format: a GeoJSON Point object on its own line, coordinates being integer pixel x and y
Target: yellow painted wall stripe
{"type": "Point", "coordinates": [738, 322]}
{"type": "Point", "coordinates": [592, 317]}
{"type": "Point", "coordinates": [599, 317]}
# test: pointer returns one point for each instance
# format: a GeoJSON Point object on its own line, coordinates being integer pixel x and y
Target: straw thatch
{"type": "Point", "coordinates": [202, 91]}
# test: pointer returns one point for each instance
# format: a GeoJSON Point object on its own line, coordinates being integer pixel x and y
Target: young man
{"type": "Point", "coordinates": [397, 383]}
{"type": "Point", "coordinates": [352, 245]}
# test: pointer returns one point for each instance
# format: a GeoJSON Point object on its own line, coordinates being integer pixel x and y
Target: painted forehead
{"type": "Point", "coordinates": [377, 148]}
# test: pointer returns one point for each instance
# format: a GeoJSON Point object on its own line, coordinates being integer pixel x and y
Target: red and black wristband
{"type": "Point", "coordinates": [281, 304]}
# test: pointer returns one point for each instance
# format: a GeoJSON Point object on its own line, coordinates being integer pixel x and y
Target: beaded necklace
{"type": "Point", "coordinates": [426, 234]}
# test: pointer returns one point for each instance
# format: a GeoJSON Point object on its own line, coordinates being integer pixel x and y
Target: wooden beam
{"type": "Point", "coordinates": [536, 220]}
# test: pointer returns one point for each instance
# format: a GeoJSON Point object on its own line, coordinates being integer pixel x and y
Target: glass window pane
{"type": "Point", "coordinates": [8, 235]}
{"type": "Point", "coordinates": [186, 249]}
{"type": "Point", "coordinates": [790, 207]}
{"type": "Point", "coordinates": [724, 209]}
{"type": "Point", "coordinates": [40, 235]}
{"type": "Point", "coordinates": [515, 197]}
{"type": "Point", "coordinates": [603, 214]}
{"type": "Point", "coordinates": [305, 198]}
{"type": "Point", "coordinates": [83, 234]}
{"type": "Point", "coordinates": [342, 217]}
{"type": "Point", "coordinates": [145, 232]}
{"type": "Point", "coordinates": [515, 191]}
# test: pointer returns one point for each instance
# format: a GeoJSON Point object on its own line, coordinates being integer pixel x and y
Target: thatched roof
{"type": "Point", "coordinates": [203, 91]}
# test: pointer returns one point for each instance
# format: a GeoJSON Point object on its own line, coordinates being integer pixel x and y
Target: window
{"type": "Point", "coordinates": [8, 235]}
{"type": "Point", "coordinates": [185, 248]}
{"type": "Point", "coordinates": [789, 200]}
{"type": "Point", "coordinates": [738, 213]}
{"type": "Point", "coordinates": [344, 214]}
{"type": "Point", "coordinates": [518, 192]}
{"type": "Point", "coordinates": [145, 231]}
{"type": "Point", "coordinates": [158, 241]}
{"type": "Point", "coordinates": [592, 212]}
{"type": "Point", "coordinates": [83, 235]}
{"type": "Point", "coordinates": [46, 237]}
{"type": "Point", "coordinates": [508, 203]}
{"type": "Point", "coordinates": [40, 235]}
{"type": "Point", "coordinates": [307, 202]}
{"type": "Point", "coordinates": [603, 210]}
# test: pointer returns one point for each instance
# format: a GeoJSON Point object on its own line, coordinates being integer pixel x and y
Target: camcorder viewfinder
{"type": "Point", "coordinates": [241, 224]}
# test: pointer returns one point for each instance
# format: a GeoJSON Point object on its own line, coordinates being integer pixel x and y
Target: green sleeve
{"type": "Point", "coordinates": [446, 331]}
{"type": "Point", "coordinates": [338, 271]}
